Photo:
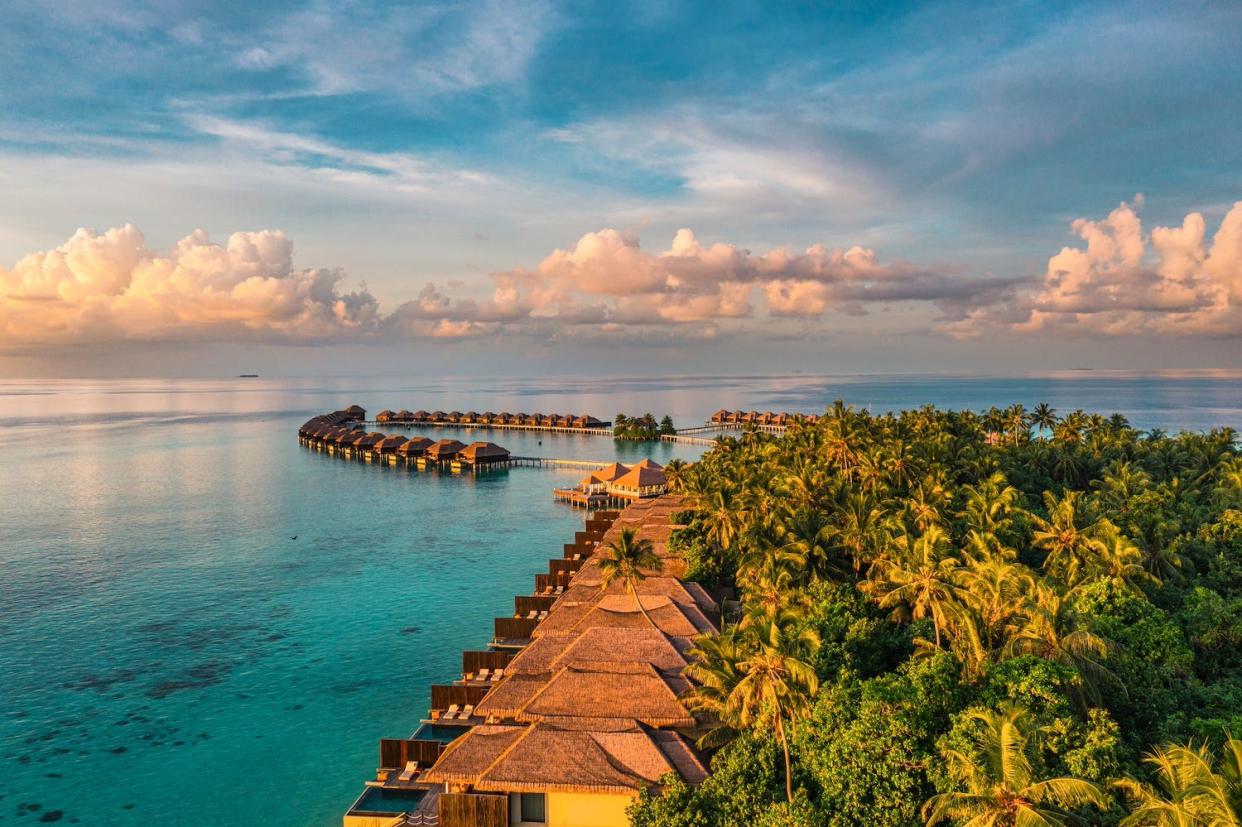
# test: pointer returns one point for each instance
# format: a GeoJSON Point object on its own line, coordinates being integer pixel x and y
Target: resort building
{"type": "Point", "coordinates": [565, 728]}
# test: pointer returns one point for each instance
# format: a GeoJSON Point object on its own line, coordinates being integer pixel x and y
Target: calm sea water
{"type": "Point", "coordinates": [169, 650]}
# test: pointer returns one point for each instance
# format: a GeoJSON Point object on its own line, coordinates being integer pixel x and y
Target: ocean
{"type": "Point", "coordinates": [202, 621]}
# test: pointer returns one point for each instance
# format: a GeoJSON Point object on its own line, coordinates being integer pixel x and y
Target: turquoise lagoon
{"type": "Point", "coordinates": [169, 650]}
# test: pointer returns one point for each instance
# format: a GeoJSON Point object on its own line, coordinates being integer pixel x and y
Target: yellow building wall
{"type": "Point", "coordinates": [588, 810]}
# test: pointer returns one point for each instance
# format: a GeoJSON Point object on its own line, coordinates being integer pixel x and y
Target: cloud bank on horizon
{"type": "Point", "coordinates": [111, 287]}
{"type": "Point", "coordinates": [889, 177]}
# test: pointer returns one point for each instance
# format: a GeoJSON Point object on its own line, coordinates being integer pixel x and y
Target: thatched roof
{"type": "Point", "coordinates": [575, 757]}
{"type": "Point", "coordinates": [620, 610]}
{"type": "Point", "coordinates": [404, 415]}
{"type": "Point", "coordinates": [601, 689]}
{"type": "Point", "coordinates": [640, 477]}
{"type": "Point", "coordinates": [648, 463]}
{"type": "Point", "coordinates": [445, 449]}
{"type": "Point", "coordinates": [415, 446]}
{"type": "Point", "coordinates": [384, 415]}
{"type": "Point", "coordinates": [595, 645]}
{"type": "Point", "coordinates": [592, 478]}
{"type": "Point", "coordinates": [472, 753]}
{"type": "Point", "coordinates": [356, 410]}
{"type": "Point", "coordinates": [389, 444]}
{"type": "Point", "coordinates": [421, 414]}
{"type": "Point", "coordinates": [484, 452]}
{"type": "Point", "coordinates": [610, 472]}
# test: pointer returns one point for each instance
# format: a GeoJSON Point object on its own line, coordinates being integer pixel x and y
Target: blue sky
{"type": "Point", "coordinates": [445, 143]}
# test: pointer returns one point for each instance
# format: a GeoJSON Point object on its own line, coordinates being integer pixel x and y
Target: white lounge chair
{"type": "Point", "coordinates": [466, 713]}
{"type": "Point", "coordinates": [498, 674]}
{"type": "Point", "coordinates": [484, 673]}
{"type": "Point", "coordinates": [407, 774]}
{"type": "Point", "coordinates": [531, 615]}
{"type": "Point", "coordinates": [451, 712]}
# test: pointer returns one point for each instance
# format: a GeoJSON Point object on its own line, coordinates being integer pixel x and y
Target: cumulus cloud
{"type": "Point", "coordinates": [112, 287]}
{"type": "Point", "coordinates": [607, 277]}
{"type": "Point", "coordinates": [1124, 281]}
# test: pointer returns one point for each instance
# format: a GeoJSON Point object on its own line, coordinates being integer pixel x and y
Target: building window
{"type": "Point", "coordinates": [534, 808]}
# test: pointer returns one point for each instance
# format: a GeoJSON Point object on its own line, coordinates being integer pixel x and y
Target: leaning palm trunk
{"type": "Point", "coordinates": [780, 734]}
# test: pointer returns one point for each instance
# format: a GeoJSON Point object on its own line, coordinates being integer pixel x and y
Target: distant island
{"type": "Point", "coordinates": [247, 376]}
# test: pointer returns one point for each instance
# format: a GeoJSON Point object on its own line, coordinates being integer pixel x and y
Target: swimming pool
{"type": "Point", "coordinates": [439, 732]}
{"type": "Point", "coordinates": [381, 800]}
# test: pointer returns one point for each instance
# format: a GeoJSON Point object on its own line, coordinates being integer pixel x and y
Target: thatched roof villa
{"type": "Point", "coordinates": [444, 449]}
{"type": "Point", "coordinates": [415, 446]}
{"type": "Point", "coordinates": [483, 453]}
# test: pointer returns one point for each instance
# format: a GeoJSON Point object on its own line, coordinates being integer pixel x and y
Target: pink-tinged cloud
{"type": "Point", "coordinates": [112, 287]}
{"type": "Point", "coordinates": [1125, 282]}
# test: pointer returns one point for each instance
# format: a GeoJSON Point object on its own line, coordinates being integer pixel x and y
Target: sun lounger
{"type": "Point", "coordinates": [407, 774]}
{"type": "Point", "coordinates": [466, 713]}
{"type": "Point", "coordinates": [498, 674]}
{"type": "Point", "coordinates": [451, 712]}
{"type": "Point", "coordinates": [531, 615]}
{"type": "Point", "coordinates": [543, 614]}
{"type": "Point", "coordinates": [484, 673]}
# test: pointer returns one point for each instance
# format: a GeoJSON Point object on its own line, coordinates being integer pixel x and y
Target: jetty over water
{"type": "Point", "coordinates": [572, 709]}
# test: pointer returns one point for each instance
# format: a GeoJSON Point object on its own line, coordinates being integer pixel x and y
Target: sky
{"type": "Point", "coordinates": [206, 188]}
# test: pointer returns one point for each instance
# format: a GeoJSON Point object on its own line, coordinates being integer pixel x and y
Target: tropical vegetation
{"type": "Point", "coordinates": [641, 427]}
{"type": "Point", "coordinates": [1002, 618]}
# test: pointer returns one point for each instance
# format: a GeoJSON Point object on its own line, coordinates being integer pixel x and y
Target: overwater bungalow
{"type": "Point", "coordinates": [720, 417]}
{"type": "Point", "coordinates": [389, 445]}
{"type": "Point", "coordinates": [355, 413]}
{"type": "Point", "coordinates": [488, 418]}
{"type": "Point", "coordinates": [437, 416]}
{"type": "Point", "coordinates": [735, 417]}
{"type": "Point", "coordinates": [444, 450]}
{"type": "Point", "coordinates": [366, 442]}
{"type": "Point", "coordinates": [384, 416]}
{"type": "Point", "coordinates": [421, 416]}
{"type": "Point", "coordinates": [470, 417]}
{"type": "Point", "coordinates": [414, 447]}
{"type": "Point", "coordinates": [586, 421]}
{"type": "Point", "coordinates": [750, 417]}
{"type": "Point", "coordinates": [482, 453]}
{"type": "Point", "coordinates": [593, 483]}
{"type": "Point", "coordinates": [639, 482]}
{"type": "Point", "coordinates": [404, 416]}
{"type": "Point", "coordinates": [533, 419]}
{"type": "Point", "coordinates": [453, 416]}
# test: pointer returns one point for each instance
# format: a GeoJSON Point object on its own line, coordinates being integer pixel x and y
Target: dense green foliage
{"type": "Point", "coordinates": [949, 617]}
{"type": "Point", "coordinates": [641, 427]}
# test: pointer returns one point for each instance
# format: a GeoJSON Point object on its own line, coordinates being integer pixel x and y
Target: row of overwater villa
{"type": "Point", "coordinates": [574, 707]}
{"type": "Point", "coordinates": [342, 433]}
{"type": "Point", "coordinates": [539, 421]}
{"type": "Point", "coordinates": [759, 419]}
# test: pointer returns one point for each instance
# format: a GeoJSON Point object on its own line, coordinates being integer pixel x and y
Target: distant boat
{"type": "Point", "coordinates": [247, 376]}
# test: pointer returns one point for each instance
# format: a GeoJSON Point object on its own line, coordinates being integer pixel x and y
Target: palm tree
{"type": "Point", "coordinates": [922, 580]}
{"type": "Point", "coordinates": [1049, 630]}
{"type": "Point", "coordinates": [1189, 791]}
{"type": "Point", "coordinates": [715, 666]}
{"type": "Point", "coordinates": [1001, 789]}
{"type": "Point", "coordinates": [675, 475]}
{"type": "Point", "coordinates": [777, 682]}
{"type": "Point", "coordinates": [989, 504]}
{"type": "Point", "coordinates": [1044, 417]}
{"type": "Point", "coordinates": [627, 560]}
{"type": "Point", "coordinates": [1073, 547]}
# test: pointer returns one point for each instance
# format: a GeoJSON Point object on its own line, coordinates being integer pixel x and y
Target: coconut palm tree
{"type": "Point", "coordinates": [627, 559]}
{"type": "Point", "coordinates": [1049, 630]}
{"type": "Point", "coordinates": [1044, 417]}
{"type": "Point", "coordinates": [1069, 537]}
{"type": "Point", "coordinates": [1190, 789]}
{"type": "Point", "coordinates": [920, 580]}
{"type": "Point", "coordinates": [675, 475]}
{"type": "Point", "coordinates": [777, 681]}
{"type": "Point", "coordinates": [1001, 787]}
